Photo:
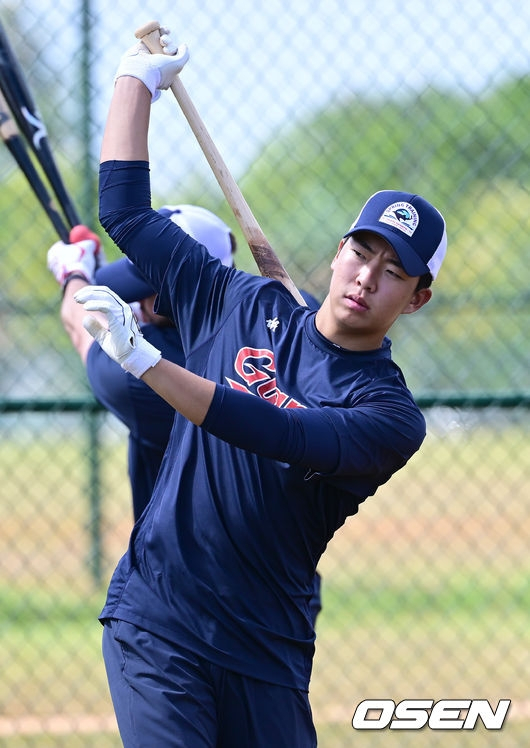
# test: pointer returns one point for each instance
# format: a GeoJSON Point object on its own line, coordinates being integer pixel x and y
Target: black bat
{"type": "Point", "coordinates": [15, 89]}
{"type": "Point", "coordinates": [10, 134]}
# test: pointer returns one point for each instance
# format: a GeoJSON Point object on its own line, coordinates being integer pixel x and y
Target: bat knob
{"type": "Point", "coordinates": [79, 233]}
{"type": "Point", "coordinates": [146, 29]}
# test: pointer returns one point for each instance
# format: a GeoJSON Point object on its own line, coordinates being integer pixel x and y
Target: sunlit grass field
{"type": "Point", "coordinates": [425, 592]}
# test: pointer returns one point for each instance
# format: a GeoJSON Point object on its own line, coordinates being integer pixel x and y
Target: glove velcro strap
{"type": "Point", "coordinates": [139, 66]}
{"type": "Point", "coordinates": [143, 357]}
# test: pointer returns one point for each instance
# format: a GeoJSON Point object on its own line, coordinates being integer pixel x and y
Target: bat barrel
{"type": "Point", "coordinates": [11, 136]}
{"type": "Point", "coordinates": [16, 91]}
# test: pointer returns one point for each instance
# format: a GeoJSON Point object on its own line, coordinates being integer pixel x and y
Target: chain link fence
{"type": "Point", "coordinates": [314, 107]}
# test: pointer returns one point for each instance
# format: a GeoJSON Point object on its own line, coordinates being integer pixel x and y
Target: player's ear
{"type": "Point", "coordinates": [337, 253]}
{"type": "Point", "coordinates": [419, 299]}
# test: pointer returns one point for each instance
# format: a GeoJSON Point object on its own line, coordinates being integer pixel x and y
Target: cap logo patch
{"type": "Point", "coordinates": [402, 216]}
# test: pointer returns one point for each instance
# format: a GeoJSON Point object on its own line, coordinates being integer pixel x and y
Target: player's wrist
{"type": "Point", "coordinates": [73, 275]}
{"type": "Point", "coordinates": [143, 357]}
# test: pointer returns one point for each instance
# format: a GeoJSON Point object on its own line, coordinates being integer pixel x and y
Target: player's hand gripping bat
{"type": "Point", "coordinates": [266, 259]}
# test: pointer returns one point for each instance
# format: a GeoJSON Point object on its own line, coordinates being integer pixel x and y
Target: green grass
{"type": "Point", "coordinates": [93, 740]}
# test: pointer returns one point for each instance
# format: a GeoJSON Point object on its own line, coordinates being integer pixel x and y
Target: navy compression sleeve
{"type": "Point", "coordinates": [292, 435]}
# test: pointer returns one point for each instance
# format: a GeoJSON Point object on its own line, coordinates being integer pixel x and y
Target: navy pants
{"type": "Point", "coordinates": [164, 697]}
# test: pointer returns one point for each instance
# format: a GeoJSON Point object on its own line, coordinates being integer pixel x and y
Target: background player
{"type": "Point", "coordinates": [147, 416]}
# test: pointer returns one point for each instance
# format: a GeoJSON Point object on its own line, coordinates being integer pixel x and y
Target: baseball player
{"type": "Point", "coordinates": [147, 416]}
{"type": "Point", "coordinates": [287, 419]}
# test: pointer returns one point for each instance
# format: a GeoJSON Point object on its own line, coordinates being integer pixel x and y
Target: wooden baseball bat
{"type": "Point", "coordinates": [266, 259]}
{"type": "Point", "coordinates": [10, 134]}
{"type": "Point", "coordinates": [25, 112]}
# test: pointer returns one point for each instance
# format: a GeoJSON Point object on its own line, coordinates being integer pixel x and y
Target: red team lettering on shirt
{"type": "Point", "coordinates": [257, 368]}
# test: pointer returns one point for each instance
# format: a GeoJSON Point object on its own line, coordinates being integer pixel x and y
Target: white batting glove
{"type": "Point", "coordinates": [123, 340]}
{"type": "Point", "coordinates": [79, 258]}
{"type": "Point", "coordinates": [156, 71]}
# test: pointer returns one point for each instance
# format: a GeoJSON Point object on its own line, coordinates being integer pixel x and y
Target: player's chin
{"type": "Point", "coordinates": [351, 325]}
{"type": "Point", "coordinates": [354, 315]}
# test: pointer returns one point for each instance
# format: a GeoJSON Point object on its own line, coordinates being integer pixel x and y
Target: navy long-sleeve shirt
{"type": "Point", "coordinates": [299, 433]}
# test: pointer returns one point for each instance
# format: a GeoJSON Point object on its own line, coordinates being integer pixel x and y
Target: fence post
{"type": "Point", "coordinates": [95, 560]}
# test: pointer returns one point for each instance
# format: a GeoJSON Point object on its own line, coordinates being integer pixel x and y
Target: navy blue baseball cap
{"type": "Point", "coordinates": [414, 228]}
{"type": "Point", "coordinates": [124, 278]}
